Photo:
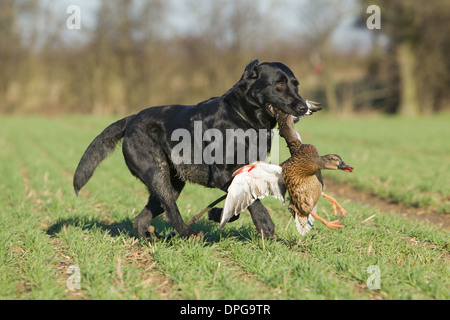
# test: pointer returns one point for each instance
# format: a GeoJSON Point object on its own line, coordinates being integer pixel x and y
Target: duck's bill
{"type": "Point", "coordinates": [346, 168]}
{"type": "Point", "coordinates": [312, 106]}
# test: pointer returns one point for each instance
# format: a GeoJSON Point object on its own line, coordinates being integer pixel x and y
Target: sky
{"type": "Point", "coordinates": [181, 19]}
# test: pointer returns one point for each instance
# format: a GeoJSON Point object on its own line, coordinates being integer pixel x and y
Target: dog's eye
{"type": "Point", "coordinates": [281, 85]}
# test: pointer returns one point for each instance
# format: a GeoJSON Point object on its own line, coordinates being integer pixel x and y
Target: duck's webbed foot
{"type": "Point", "coordinates": [337, 208]}
{"type": "Point", "coordinates": [336, 224]}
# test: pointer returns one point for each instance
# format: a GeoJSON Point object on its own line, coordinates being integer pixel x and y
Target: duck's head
{"type": "Point", "coordinates": [335, 162]}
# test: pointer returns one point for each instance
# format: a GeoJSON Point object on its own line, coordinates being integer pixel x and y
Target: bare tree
{"type": "Point", "coordinates": [419, 45]}
{"type": "Point", "coordinates": [320, 20]}
{"type": "Point", "coordinates": [123, 44]}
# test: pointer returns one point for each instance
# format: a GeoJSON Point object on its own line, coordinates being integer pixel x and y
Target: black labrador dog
{"type": "Point", "coordinates": [152, 148]}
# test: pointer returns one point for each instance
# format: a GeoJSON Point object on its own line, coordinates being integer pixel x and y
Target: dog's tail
{"type": "Point", "coordinates": [99, 149]}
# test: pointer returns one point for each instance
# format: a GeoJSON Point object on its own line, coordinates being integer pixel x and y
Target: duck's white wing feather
{"type": "Point", "coordinates": [251, 182]}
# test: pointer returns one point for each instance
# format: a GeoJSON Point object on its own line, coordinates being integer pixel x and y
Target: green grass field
{"type": "Point", "coordinates": [45, 229]}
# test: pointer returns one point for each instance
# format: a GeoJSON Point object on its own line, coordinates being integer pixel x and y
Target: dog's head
{"type": "Point", "coordinates": [271, 86]}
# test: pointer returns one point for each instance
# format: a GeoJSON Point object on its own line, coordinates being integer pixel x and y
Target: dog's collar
{"type": "Point", "coordinates": [269, 132]}
{"type": "Point", "coordinates": [242, 116]}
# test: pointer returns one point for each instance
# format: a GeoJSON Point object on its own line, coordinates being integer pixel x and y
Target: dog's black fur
{"type": "Point", "coordinates": [147, 142]}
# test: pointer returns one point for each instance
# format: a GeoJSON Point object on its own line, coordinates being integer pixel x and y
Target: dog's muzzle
{"type": "Point", "coordinates": [303, 110]}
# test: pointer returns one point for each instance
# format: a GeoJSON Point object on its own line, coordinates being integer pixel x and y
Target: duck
{"type": "Point", "coordinates": [294, 142]}
{"type": "Point", "coordinates": [300, 176]}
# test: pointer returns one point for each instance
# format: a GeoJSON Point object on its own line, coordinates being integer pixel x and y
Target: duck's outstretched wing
{"type": "Point", "coordinates": [251, 182]}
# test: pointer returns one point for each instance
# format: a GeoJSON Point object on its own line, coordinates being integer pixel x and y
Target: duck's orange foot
{"type": "Point", "coordinates": [336, 224]}
{"type": "Point", "coordinates": [337, 208]}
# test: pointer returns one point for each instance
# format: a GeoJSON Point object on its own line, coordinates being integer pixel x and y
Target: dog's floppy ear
{"type": "Point", "coordinates": [250, 70]}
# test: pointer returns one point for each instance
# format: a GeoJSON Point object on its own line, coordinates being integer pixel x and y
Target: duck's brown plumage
{"type": "Point", "coordinates": [300, 176]}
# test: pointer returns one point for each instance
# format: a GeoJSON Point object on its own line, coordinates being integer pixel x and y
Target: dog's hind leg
{"type": "Point", "coordinates": [150, 165]}
{"type": "Point", "coordinates": [142, 222]}
{"type": "Point", "coordinates": [154, 208]}
{"type": "Point", "coordinates": [261, 219]}
{"type": "Point", "coordinates": [166, 188]}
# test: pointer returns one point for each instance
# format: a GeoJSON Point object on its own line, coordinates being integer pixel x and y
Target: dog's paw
{"type": "Point", "coordinates": [198, 237]}
{"type": "Point", "coordinates": [194, 236]}
{"type": "Point", "coordinates": [187, 233]}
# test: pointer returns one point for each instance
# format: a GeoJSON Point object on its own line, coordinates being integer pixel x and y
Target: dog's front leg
{"type": "Point", "coordinates": [261, 219]}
